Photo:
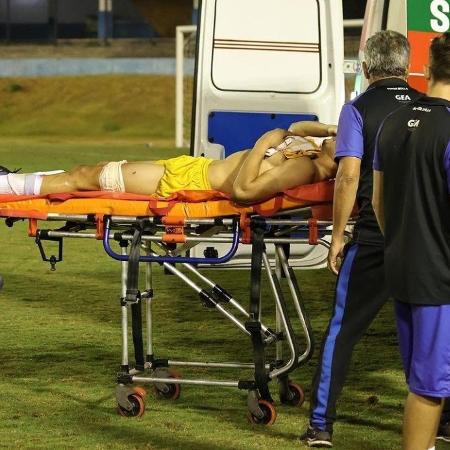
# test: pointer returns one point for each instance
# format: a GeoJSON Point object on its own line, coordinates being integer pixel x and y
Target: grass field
{"type": "Point", "coordinates": [112, 106]}
{"type": "Point", "coordinates": [60, 331]}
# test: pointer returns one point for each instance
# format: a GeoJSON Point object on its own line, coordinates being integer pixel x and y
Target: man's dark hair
{"type": "Point", "coordinates": [440, 58]}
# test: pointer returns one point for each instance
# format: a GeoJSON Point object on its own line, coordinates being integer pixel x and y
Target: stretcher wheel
{"type": "Point", "coordinates": [296, 397]}
{"type": "Point", "coordinates": [139, 390]}
{"type": "Point", "coordinates": [173, 390]}
{"type": "Point", "coordinates": [270, 414]}
{"type": "Point", "coordinates": [137, 407]}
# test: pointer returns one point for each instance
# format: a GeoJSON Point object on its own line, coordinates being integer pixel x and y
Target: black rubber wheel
{"type": "Point", "coordinates": [270, 414]}
{"type": "Point", "coordinates": [137, 408]}
{"type": "Point", "coordinates": [174, 390]}
{"type": "Point", "coordinates": [297, 396]}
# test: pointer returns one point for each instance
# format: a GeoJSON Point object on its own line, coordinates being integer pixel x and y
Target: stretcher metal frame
{"type": "Point", "coordinates": [167, 241]}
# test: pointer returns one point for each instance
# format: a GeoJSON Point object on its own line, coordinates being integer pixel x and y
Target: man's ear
{"type": "Point", "coordinates": [365, 70]}
{"type": "Point", "coordinates": [426, 71]}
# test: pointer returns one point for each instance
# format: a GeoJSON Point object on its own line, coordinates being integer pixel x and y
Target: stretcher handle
{"type": "Point", "coordinates": [173, 259]}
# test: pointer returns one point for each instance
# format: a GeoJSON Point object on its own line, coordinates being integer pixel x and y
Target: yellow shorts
{"type": "Point", "coordinates": [184, 173]}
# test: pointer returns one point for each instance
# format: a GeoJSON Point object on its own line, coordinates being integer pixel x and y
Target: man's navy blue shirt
{"type": "Point", "coordinates": [413, 152]}
{"type": "Point", "coordinates": [359, 122]}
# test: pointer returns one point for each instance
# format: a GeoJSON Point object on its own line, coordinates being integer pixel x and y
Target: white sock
{"type": "Point", "coordinates": [36, 188]}
{"type": "Point", "coordinates": [16, 183]}
{"type": "Point", "coordinates": [20, 184]}
{"type": "Point", "coordinates": [432, 448]}
{"type": "Point", "coordinates": [5, 188]}
{"type": "Point", "coordinates": [24, 183]}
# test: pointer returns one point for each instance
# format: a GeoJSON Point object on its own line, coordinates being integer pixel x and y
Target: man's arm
{"type": "Point", "coordinates": [310, 128]}
{"type": "Point", "coordinates": [349, 151]}
{"type": "Point", "coordinates": [377, 198]}
{"type": "Point", "coordinates": [345, 188]}
{"type": "Point", "coordinates": [289, 174]}
{"type": "Point", "coordinates": [246, 189]}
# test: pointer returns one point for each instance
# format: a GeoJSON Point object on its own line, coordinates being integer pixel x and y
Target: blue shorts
{"type": "Point", "coordinates": [424, 336]}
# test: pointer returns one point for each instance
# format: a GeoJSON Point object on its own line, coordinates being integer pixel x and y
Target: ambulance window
{"type": "Point", "coordinates": [278, 52]}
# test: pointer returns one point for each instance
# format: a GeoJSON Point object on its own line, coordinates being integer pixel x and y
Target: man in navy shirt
{"type": "Point", "coordinates": [411, 198]}
{"type": "Point", "coordinates": [360, 290]}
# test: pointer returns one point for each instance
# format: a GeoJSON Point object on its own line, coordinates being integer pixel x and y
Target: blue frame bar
{"type": "Point", "coordinates": [173, 259]}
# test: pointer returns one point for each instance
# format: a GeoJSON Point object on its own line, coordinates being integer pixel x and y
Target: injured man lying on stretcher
{"type": "Point", "coordinates": [279, 160]}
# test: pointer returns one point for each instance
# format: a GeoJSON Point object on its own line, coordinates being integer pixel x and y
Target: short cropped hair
{"type": "Point", "coordinates": [440, 58]}
{"type": "Point", "coordinates": [387, 54]}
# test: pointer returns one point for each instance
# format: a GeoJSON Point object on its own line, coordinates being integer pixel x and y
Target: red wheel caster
{"type": "Point", "coordinates": [137, 407]}
{"type": "Point", "coordinates": [269, 414]}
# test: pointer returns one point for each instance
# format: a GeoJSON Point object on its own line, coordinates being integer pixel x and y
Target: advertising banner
{"type": "Point", "coordinates": [426, 19]}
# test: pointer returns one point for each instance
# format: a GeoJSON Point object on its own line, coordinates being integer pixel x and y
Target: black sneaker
{"type": "Point", "coordinates": [314, 437]}
{"type": "Point", "coordinates": [5, 171]}
{"type": "Point", "coordinates": [443, 433]}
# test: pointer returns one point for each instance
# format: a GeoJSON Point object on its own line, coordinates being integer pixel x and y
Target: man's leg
{"type": "Point", "coordinates": [57, 181]}
{"type": "Point", "coordinates": [443, 433]}
{"type": "Point", "coordinates": [81, 178]}
{"type": "Point", "coordinates": [420, 421]}
{"type": "Point", "coordinates": [138, 178]}
{"type": "Point", "coordinates": [119, 176]}
{"type": "Point", "coordinates": [359, 296]}
{"type": "Point", "coordinates": [424, 336]}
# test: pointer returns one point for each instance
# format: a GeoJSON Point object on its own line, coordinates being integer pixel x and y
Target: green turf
{"type": "Point", "coordinates": [105, 105]}
{"type": "Point", "coordinates": [60, 334]}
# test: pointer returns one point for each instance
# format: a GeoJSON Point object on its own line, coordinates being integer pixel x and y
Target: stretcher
{"type": "Point", "coordinates": [137, 229]}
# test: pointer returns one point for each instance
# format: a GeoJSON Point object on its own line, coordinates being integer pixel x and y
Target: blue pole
{"type": "Point", "coordinates": [110, 18]}
{"type": "Point", "coordinates": [105, 20]}
{"type": "Point", "coordinates": [195, 12]}
{"type": "Point", "coordinates": [8, 21]}
{"type": "Point", "coordinates": [101, 20]}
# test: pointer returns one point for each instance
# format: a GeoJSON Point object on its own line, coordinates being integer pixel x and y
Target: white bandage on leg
{"type": "Point", "coordinates": [33, 184]}
{"type": "Point", "coordinates": [7, 188]}
{"type": "Point", "coordinates": [16, 183]}
{"type": "Point", "coordinates": [111, 178]}
{"type": "Point", "coordinates": [23, 183]}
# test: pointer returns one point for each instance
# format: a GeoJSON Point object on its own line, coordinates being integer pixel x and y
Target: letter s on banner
{"type": "Point", "coordinates": [440, 10]}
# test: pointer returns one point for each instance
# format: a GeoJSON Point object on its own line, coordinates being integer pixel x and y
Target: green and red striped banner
{"type": "Point", "coordinates": [426, 19]}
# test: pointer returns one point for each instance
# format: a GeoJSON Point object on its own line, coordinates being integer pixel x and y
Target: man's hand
{"type": "Point", "coordinates": [332, 130]}
{"type": "Point", "coordinates": [273, 138]}
{"type": "Point", "coordinates": [308, 128]}
{"type": "Point", "coordinates": [336, 254]}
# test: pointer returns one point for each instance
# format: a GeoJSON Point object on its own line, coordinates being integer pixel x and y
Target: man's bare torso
{"type": "Point", "coordinates": [222, 173]}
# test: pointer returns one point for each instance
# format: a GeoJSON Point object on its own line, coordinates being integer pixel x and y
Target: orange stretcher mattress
{"type": "Point", "coordinates": [187, 204]}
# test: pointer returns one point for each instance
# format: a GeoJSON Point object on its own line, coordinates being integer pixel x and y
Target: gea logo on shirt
{"type": "Point", "coordinates": [403, 97]}
{"type": "Point", "coordinates": [440, 10]}
{"type": "Point", "coordinates": [413, 123]}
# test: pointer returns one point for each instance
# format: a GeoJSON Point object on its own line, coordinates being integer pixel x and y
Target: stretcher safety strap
{"type": "Point", "coordinates": [133, 295]}
{"type": "Point", "coordinates": [253, 325]}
